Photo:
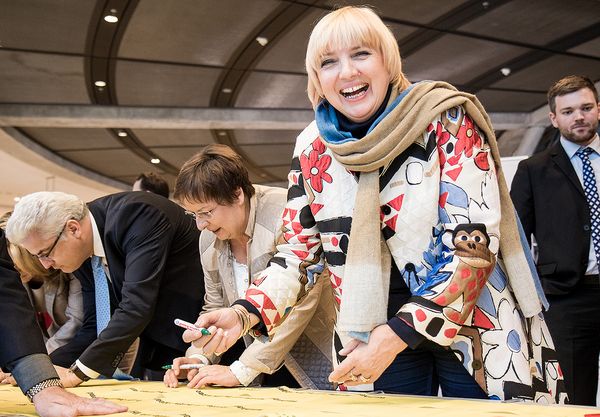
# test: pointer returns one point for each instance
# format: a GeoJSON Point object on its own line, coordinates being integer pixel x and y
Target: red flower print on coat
{"type": "Point", "coordinates": [314, 166]}
{"type": "Point", "coordinates": [442, 138]}
{"type": "Point", "coordinates": [467, 138]}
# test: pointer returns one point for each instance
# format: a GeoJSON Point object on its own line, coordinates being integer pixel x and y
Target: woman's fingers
{"type": "Point", "coordinates": [170, 379]}
{"type": "Point", "coordinates": [212, 346]}
{"type": "Point", "coordinates": [352, 344]}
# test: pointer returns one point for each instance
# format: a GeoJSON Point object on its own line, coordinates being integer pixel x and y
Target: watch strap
{"type": "Point", "coordinates": [78, 372]}
{"type": "Point", "coordinates": [37, 388]}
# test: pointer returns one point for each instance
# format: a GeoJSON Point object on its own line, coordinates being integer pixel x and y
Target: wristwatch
{"type": "Point", "coordinates": [37, 388]}
{"type": "Point", "coordinates": [78, 372]}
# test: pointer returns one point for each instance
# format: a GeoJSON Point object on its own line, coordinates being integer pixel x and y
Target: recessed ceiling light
{"type": "Point", "coordinates": [155, 161]}
{"type": "Point", "coordinates": [262, 40]}
{"type": "Point", "coordinates": [100, 83]}
{"type": "Point", "coordinates": [111, 18]}
{"type": "Point", "coordinates": [221, 133]}
{"type": "Point", "coordinates": [122, 133]}
{"type": "Point", "coordinates": [505, 71]}
{"type": "Point", "coordinates": [227, 90]}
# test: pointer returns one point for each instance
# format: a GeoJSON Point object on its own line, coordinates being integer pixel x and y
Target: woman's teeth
{"type": "Point", "coordinates": [353, 92]}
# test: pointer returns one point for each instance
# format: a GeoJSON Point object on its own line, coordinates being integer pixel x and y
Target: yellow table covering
{"type": "Point", "coordinates": [154, 399]}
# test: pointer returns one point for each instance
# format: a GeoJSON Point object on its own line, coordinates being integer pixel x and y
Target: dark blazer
{"type": "Point", "coordinates": [552, 206]}
{"type": "Point", "coordinates": [21, 335]}
{"type": "Point", "coordinates": [151, 248]}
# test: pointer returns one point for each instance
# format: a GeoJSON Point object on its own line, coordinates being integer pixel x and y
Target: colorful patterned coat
{"type": "Point", "coordinates": [440, 215]}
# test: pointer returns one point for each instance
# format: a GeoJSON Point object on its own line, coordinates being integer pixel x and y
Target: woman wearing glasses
{"type": "Point", "coordinates": [240, 224]}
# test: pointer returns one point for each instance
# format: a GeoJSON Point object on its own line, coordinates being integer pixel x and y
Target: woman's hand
{"type": "Point", "coordinates": [172, 376]}
{"type": "Point", "coordinates": [213, 375]}
{"type": "Point", "coordinates": [365, 362]}
{"type": "Point", "coordinates": [225, 329]}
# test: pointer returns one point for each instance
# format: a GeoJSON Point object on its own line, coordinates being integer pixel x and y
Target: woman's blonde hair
{"type": "Point", "coordinates": [345, 28]}
{"type": "Point", "coordinates": [26, 262]}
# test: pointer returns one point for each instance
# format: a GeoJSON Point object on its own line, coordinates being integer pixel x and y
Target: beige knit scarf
{"type": "Point", "coordinates": [367, 269]}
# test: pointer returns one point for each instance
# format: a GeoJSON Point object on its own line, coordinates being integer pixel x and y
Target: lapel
{"type": "Point", "coordinates": [225, 271]}
{"type": "Point", "coordinates": [560, 158]}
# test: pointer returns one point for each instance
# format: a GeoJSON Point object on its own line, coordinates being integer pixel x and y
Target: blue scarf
{"type": "Point", "coordinates": [329, 127]}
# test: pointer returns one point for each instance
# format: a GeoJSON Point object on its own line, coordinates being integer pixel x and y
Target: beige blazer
{"type": "Point", "coordinates": [63, 302]}
{"type": "Point", "coordinates": [304, 340]}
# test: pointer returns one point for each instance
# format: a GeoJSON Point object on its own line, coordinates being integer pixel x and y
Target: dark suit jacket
{"type": "Point", "coordinates": [21, 335]}
{"type": "Point", "coordinates": [22, 350]}
{"type": "Point", "coordinates": [552, 206]}
{"type": "Point", "coordinates": [151, 248]}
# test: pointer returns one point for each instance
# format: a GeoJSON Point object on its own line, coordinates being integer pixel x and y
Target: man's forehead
{"type": "Point", "coordinates": [34, 243]}
{"type": "Point", "coordinates": [579, 97]}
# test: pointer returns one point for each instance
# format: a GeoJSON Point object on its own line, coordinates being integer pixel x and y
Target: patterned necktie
{"type": "Point", "coordinates": [102, 295]}
{"type": "Point", "coordinates": [591, 194]}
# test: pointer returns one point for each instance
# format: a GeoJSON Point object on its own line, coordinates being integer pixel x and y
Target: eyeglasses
{"type": "Point", "coordinates": [46, 256]}
{"type": "Point", "coordinates": [201, 215]}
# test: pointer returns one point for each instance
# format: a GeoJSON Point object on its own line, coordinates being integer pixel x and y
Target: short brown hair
{"type": "Point", "coordinates": [153, 183]}
{"type": "Point", "coordinates": [567, 85]}
{"type": "Point", "coordinates": [213, 174]}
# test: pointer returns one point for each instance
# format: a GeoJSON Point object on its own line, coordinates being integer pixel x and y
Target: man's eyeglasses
{"type": "Point", "coordinates": [46, 256]}
{"type": "Point", "coordinates": [201, 215]}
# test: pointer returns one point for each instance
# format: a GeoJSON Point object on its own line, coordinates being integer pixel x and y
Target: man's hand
{"type": "Point", "coordinates": [67, 378]}
{"type": "Point", "coordinates": [225, 329]}
{"type": "Point", "coordinates": [213, 375]}
{"type": "Point", "coordinates": [56, 402]}
{"type": "Point", "coordinates": [365, 362]}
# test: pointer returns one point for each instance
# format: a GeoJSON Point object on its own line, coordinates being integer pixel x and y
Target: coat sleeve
{"type": "Point", "coordinates": [462, 253]}
{"type": "Point", "coordinates": [20, 332]}
{"type": "Point", "coordinates": [22, 348]}
{"type": "Point", "coordinates": [267, 357]}
{"type": "Point", "coordinates": [298, 260]}
{"type": "Point", "coordinates": [521, 192]}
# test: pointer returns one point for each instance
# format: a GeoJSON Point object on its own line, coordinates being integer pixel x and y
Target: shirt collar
{"type": "Point", "coordinates": [98, 246]}
{"type": "Point", "coordinates": [571, 148]}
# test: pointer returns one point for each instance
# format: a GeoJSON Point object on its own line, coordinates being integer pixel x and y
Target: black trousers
{"type": "Point", "coordinates": [574, 323]}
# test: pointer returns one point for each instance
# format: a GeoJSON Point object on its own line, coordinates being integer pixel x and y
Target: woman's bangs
{"type": "Point", "coordinates": [342, 34]}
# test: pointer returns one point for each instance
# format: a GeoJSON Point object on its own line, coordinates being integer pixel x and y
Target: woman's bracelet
{"type": "Point", "coordinates": [244, 318]}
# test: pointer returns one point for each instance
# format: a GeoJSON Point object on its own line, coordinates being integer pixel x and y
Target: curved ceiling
{"type": "Point", "coordinates": [182, 74]}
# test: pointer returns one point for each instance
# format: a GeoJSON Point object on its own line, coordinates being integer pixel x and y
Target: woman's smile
{"type": "Point", "coordinates": [354, 81]}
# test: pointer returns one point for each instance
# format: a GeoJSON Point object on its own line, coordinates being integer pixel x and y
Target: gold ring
{"type": "Point", "coordinates": [364, 379]}
{"type": "Point", "coordinates": [353, 377]}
